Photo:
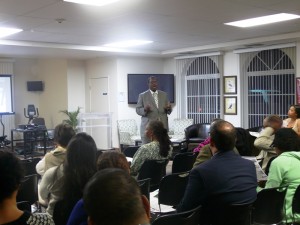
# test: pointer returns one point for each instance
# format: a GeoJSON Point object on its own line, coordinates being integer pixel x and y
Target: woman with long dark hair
{"type": "Point", "coordinates": [159, 147]}
{"type": "Point", "coordinates": [66, 182]}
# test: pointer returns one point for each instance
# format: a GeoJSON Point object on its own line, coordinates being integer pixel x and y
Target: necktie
{"type": "Point", "coordinates": [155, 98]}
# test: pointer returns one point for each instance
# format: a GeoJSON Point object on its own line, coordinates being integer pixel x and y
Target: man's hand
{"type": "Point", "coordinates": [168, 107]}
{"type": "Point", "coordinates": [147, 108]}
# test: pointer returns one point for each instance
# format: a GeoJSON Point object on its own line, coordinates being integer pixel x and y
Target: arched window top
{"type": "Point", "coordinates": [274, 59]}
{"type": "Point", "coordinates": [201, 66]}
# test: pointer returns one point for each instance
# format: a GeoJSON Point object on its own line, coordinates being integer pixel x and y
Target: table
{"type": "Point", "coordinates": [178, 142]}
{"type": "Point", "coordinates": [30, 138]}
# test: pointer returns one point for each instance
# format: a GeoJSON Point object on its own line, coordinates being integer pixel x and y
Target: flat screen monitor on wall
{"type": "Point", "coordinates": [35, 86]}
{"type": "Point", "coordinates": [6, 98]}
{"type": "Point", "coordinates": [138, 83]}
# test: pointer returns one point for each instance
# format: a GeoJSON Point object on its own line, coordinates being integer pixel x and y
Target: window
{"type": "Point", "coordinates": [269, 84]}
{"type": "Point", "coordinates": [202, 88]}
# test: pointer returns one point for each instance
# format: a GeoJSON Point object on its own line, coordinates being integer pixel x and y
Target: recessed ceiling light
{"type": "Point", "coordinates": [92, 2]}
{"type": "Point", "coordinates": [264, 20]}
{"type": "Point", "coordinates": [4, 31]}
{"type": "Point", "coordinates": [130, 43]}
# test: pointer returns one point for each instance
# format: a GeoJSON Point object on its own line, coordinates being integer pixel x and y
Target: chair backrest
{"type": "Point", "coordinates": [296, 201]}
{"type": "Point", "coordinates": [200, 130]}
{"type": "Point", "coordinates": [179, 125]}
{"type": "Point", "coordinates": [154, 169]}
{"type": "Point", "coordinates": [145, 187]}
{"type": "Point", "coordinates": [28, 190]}
{"type": "Point", "coordinates": [203, 130]}
{"type": "Point", "coordinates": [244, 142]}
{"type": "Point", "coordinates": [129, 126]}
{"type": "Point", "coordinates": [268, 207]}
{"type": "Point", "coordinates": [29, 165]}
{"type": "Point", "coordinates": [234, 214]}
{"type": "Point", "coordinates": [191, 131]}
{"type": "Point", "coordinates": [130, 151]}
{"type": "Point", "coordinates": [190, 217]}
{"type": "Point", "coordinates": [183, 162]}
{"type": "Point", "coordinates": [172, 188]}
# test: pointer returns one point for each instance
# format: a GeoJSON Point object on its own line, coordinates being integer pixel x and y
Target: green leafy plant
{"type": "Point", "coordinates": [72, 117]}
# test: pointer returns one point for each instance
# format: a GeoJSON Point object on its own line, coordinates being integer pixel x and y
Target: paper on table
{"type": "Point", "coordinates": [154, 204]}
{"type": "Point", "coordinates": [259, 172]}
{"type": "Point", "coordinates": [254, 134]}
{"type": "Point", "coordinates": [129, 159]}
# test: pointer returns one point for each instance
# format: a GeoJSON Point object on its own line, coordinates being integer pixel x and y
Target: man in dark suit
{"type": "Point", "coordinates": [152, 104]}
{"type": "Point", "coordinates": [223, 180]}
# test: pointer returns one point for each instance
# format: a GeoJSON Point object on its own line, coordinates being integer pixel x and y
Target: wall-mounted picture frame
{"type": "Point", "coordinates": [230, 105]}
{"type": "Point", "coordinates": [230, 85]}
{"type": "Point", "coordinates": [298, 90]}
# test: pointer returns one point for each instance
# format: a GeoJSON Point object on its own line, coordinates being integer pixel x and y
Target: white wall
{"type": "Point", "coordinates": [53, 72]}
{"type": "Point", "coordinates": [231, 68]}
{"type": "Point", "coordinates": [55, 95]}
{"type": "Point", "coordinates": [24, 70]}
{"type": "Point", "coordinates": [76, 85]}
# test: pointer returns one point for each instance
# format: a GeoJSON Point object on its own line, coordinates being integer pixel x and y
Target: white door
{"type": "Point", "coordinates": [99, 103]}
{"type": "Point", "coordinates": [99, 95]}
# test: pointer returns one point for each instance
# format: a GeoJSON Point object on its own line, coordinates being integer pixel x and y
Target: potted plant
{"type": "Point", "coordinates": [72, 117]}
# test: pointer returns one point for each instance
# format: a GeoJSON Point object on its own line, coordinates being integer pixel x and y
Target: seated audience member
{"type": "Point", "coordinates": [11, 175]}
{"type": "Point", "coordinates": [205, 151]}
{"type": "Point", "coordinates": [271, 124]}
{"type": "Point", "coordinates": [62, 135]}
{"type": "Point", "coordinates": [108, 159]}
{"type": "Point", "coordinates": [293, 120]}
{"type": "Point", "coordinates": [159, 147]}
{"type": "Point", "coordinates": [206, 154]}
{"type": "Point", "coordinates": [66, 182]}
{"type": "Point", "coordinates": [112, 196]}
{"type": "Point", "coordinates": [285, 168]}
{"type": "Point", "coordinates": [207, 140]}
{"type": "Point", "coordinates": [223, 180]}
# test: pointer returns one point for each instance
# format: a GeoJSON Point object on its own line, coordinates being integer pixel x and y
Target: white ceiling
{"type": "Point", "coordinates": [175, 26]}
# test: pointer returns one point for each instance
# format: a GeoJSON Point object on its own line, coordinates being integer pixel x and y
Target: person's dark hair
{"type": "Point", "coordinates": [223, 134]}
{"type": "Point", "coordinates": [112, 196]}
{"type": "Point", "coordinates": [297, 110]}
{"type": "Point", "coordinates": [161, 135]}
{"type": "Point", "coordinates": [79, 166]}
{"type": "Point", "coordinates": [286, 140]}
{"type": "Point", "coordinates": [11, 174]}
{"type": "Point", "coordinates": [112, 159]}
{"type": "Point", "coordinates": [63, 134]}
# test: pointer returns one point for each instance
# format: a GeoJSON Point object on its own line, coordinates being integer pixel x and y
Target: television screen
{"type": "Point", "coordinates": [138, 83]}
{"type": "Point", "coordinates": [35, 86]}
